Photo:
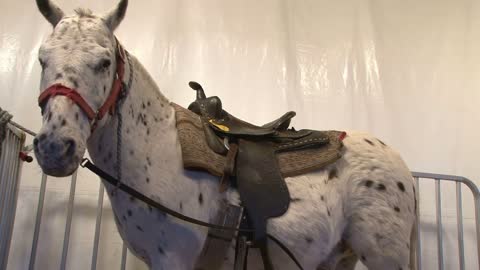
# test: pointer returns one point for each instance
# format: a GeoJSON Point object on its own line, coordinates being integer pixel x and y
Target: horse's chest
{"type": "Point", "coordinates": [140, 225]}
{"type": "Point", "coordinates": [148, 232]}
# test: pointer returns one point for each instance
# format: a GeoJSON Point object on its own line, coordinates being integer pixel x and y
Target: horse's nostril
{"type": "Point", "coordinates": [70, 145]}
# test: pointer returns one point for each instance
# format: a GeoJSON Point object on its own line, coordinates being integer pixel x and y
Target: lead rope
{"type": "Point", "coordinates": [123, 94]}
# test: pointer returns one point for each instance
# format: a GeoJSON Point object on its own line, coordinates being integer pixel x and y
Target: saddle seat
{"type": "Point", "coordinates": [223, 122]}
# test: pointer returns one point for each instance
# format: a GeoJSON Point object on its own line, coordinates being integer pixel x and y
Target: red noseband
{"type": "Point", "coordinates": [72, 94]}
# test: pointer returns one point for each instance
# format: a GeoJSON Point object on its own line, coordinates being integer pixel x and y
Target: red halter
{"type": "Point", "coordinates": [108, 105]}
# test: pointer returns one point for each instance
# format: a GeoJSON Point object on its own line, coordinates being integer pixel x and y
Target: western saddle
{"type": "Point", "coordinates": [254, 158]}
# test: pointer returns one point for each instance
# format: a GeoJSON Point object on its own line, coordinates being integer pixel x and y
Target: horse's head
{"type": "Point", "coordinates": [79, 57]}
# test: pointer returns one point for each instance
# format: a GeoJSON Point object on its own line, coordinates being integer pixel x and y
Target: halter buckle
{"type": "Point", "coordinates": [94, 121]}
{"type": "Point", "coordinates": [84, 162]}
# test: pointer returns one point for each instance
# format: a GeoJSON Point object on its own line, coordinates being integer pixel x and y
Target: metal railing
{"type": "Point", "coordinates": [10, 170]}
{"type": "Point", "coordinates": [459, 181]}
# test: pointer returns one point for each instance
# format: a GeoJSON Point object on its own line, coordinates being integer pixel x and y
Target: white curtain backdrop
{"type": "Point", "coordinates": [407, 71]}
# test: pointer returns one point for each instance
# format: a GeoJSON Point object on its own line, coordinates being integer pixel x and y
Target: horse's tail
{"type": "Point", "coordinates": [413, 245]}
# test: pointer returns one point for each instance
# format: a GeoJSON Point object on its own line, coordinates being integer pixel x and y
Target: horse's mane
{"type": "Point", "coordinates": [84, 12]}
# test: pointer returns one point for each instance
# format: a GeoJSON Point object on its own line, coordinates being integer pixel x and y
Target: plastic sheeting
{"type": "Point", "coordinates": [406, 71]}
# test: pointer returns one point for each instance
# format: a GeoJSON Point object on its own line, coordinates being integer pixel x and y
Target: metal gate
{"type": "Point", "coordinates": [459, 181]}
{"type": "Point", "coordinates": [10, 167]}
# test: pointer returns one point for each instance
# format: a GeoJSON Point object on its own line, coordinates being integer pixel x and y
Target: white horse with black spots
{"type": "Point", "coordinates": [362, 207]}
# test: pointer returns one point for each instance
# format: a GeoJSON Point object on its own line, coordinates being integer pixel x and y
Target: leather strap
{"type": "Point", "coordinates": [72, 94]}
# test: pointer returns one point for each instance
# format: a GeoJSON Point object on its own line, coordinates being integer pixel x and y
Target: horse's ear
{"type": "Point", "coordinates": [50, 11]}
{"type": "Point", "coordinates": [115, 16]}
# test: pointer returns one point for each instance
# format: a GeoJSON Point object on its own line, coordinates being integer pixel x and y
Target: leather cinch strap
{"type": "Point", "coordinates": [72, 94]}
{"type": "Point", "coordinates": [138, 195]}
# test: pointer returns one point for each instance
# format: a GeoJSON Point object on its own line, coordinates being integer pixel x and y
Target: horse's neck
{"type": "Point", "coordinates": [150, 153]}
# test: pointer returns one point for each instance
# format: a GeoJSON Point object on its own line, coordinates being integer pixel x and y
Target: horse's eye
{"type": "Point", "coordinates": [103, 65]}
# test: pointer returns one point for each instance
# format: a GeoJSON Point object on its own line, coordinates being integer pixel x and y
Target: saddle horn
{"type": "Point", "coordinates": [197, 87]}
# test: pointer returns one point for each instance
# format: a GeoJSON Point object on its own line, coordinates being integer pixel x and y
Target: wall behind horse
{"type": "Point", "coordinates": [406, 71]}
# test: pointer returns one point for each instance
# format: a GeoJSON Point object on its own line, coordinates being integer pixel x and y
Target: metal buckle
{"type": "Point", "coordinates": [84, 162]}
{"type": "Point", "coordinates": [226, 143]}
{"type": "Point", "coordinates": [94, 122]}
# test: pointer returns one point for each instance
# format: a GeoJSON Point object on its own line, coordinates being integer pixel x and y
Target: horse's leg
{"type": "Point", "coordinates": [342, 257]}
{"type": "Point", "coordinates": [380, 239]}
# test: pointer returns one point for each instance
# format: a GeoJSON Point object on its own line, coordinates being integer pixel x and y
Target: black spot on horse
{"type": "Point", "coordinates": [54, 127]}
{"type": "Point", "coordinates": [369, 142]}
{"type": "Point", "coordinates": [124, 218]}
{"type": "Point", "coordinates": [140, 119]}
{"type": "Point", "coordinates": [129, 212]}
{"type": "Point", "coordinates": [49, 116]}
{"type": "Point", "coordinates": [333, 173]}
{"type": "Point", "coordinates": [295, 199]}
{"type": "Point", "coordinates": [200, 198]}
{"type": "Point", "coordinates": [58, 76]}
{"type": "Point", "coordinates": [328, 212]}
{"type": "Point", "coordinates": [396, 209]}
{"type": "Point", "coordinates": [363, 258]}
{"type": "Point", "coordinates": [308, 239]}
{"type": "Point", "coordinates": [76, 116]}
{"type": "Point", "coordinates": [143, 105]}
{"type": "Point", "coordinates": [379, 237]}
{"type": "Point", "coordinates": [69, 70]}
{"type": "Point", "coordinates": [132, 199]}
{"type": "Point", "coordinates": [149, 162]}
{"type": "Point", "coordinates": [73, 81]}
{"type": "Point", "coordinates": [368, 183]}
{"type": "Point", "coordinates": [148, 180]}
{"type": "Point", "coordinates": [104, 89]}
{"type": "Point", "coordinates": [148, 103]}
{"type": "Point", "coordinates": [322, 198]}
{"type": "Point", "coordinates": [181, 206]}
{"type": "Point", "coordinates": [63, 123]}
{"type": "Point", "coordinates": [401, 186]}
{"type": "Point", "coordinates": [161, 251]}
{"type": "Point", "coordinates": [139, 228]}
{"type": "Point", "coordinates": [381, 142]}
{"type": "Point", "coordinates": [381, 187]}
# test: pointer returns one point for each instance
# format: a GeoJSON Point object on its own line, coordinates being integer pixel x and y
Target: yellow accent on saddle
{"type": "Point", "coordinates": [219, 126]}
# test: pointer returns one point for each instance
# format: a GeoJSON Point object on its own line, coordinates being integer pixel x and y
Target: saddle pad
{"type": "Point", "coordinates": [197, 155]}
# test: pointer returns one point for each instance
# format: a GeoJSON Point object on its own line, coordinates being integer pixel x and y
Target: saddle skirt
{"type": "Point", "coordinates": [197, 155]}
